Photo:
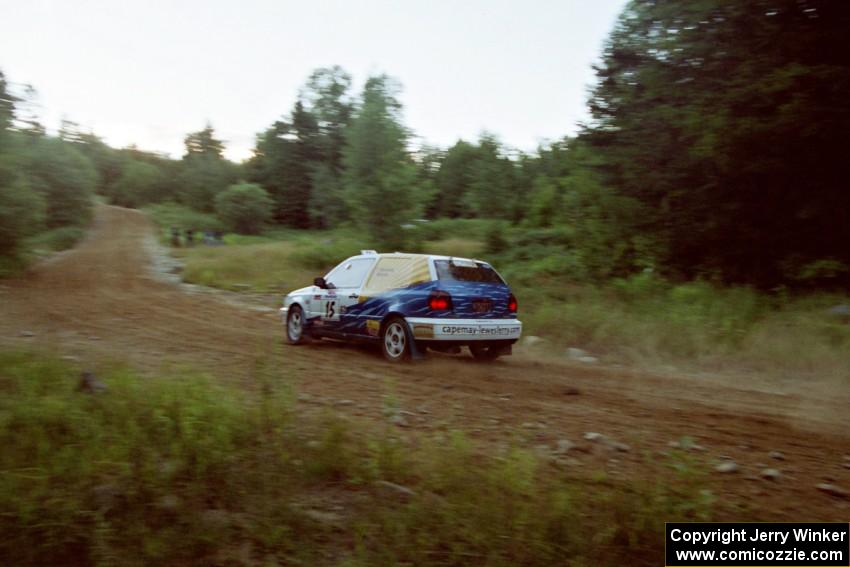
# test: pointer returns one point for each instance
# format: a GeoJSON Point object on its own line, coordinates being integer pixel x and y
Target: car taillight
{"type": "Point", "coordinates": [512, 304]}
{"type": "Point", "coordinates": [440, 301]}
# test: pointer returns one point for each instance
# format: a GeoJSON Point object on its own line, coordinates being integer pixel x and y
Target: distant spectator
{"type": "Point", "coordinates": [190, 236]}
{"type": "Point", "coordinates": [175, 236]}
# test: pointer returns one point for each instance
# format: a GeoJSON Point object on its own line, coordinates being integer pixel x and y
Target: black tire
{"type": "Point", "coordinates": [295, 320]}
{"type": "Point", "coordinates": [395, 340]}
{"type": "Point", "coordinates": [484, 353]}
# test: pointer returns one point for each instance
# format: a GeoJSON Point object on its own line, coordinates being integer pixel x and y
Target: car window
{"type": "Point", "coordinates": [350, 273]}
{"type": "Point", "coordinates": [481, 273]}
{"type": "Point", "coordinates": [395, 272]}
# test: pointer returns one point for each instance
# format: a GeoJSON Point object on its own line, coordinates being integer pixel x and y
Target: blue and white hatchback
{"type": "Point", "coordinates": [407, 303]}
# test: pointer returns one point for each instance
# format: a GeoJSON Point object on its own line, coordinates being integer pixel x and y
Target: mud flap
{"type": "Point", "coordinates": [415, 352]}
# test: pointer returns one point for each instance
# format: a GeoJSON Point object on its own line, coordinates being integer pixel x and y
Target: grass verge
{"type": "Point", "coordinates": [40, 246]}
{"type": "Point", "coordinates": [641, 321]}
{"type": "Point", "coordinates": [181, 470]}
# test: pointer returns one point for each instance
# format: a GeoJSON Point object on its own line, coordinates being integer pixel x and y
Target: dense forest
{"type": "Point", "coordinates": [717, 149]}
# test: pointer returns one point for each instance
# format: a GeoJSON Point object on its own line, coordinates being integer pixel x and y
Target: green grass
{"type": "Point", "coordinates": [182, 470]}
{"type": "Point", "coordinates": [55, 240]}
{"type": "Point", "coordinates": [648, 322]}
{"type": "Point", "coordinates": [284, 260]}
{"type": "Point", "coordinates": [461, 247]}
{"type": "Point", "coordinates": [40, 246]}
{"type": "Point", "coordinates": [643, 320]}
{"type": "Point", "coordinates": [261, 267]}
{"type": "Point", "coordinates": [168, 215]}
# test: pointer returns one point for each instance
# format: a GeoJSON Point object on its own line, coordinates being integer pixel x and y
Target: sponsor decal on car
{"type": "Point", "coordinates": [373, 327]}
{"type": "Point", "coordinates": [423, 331]}
{"type": "Point", "coordinates": [483, 330]}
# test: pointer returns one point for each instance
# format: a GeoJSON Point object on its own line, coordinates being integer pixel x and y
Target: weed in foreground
{"type": "Point", "coordinates": [180, 469]}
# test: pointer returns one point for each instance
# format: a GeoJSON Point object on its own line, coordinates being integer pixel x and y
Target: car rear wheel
{"type": "Point", "coordinates": [295, 326]}
{"type": "Point", "coordinates": [484, 353]}
{"type": "Point", "coordinates": [395, 341]}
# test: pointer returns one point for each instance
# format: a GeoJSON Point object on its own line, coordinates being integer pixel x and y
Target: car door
{"type": "Point", "coordinates": [343, 293]}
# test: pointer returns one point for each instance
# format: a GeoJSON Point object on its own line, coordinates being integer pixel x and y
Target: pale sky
{"type": "Point", "coordinates": [150, 71]}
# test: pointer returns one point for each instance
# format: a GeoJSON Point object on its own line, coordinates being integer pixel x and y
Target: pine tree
{"type": "Point", "coordinates": [379, 174]}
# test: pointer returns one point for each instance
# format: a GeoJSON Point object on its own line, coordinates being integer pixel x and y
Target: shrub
{"type": "Point", "coordinates": [140, 183]}
{"type": "Point", "coordinates": [66, 178]}
{"type": "Point", "coordinates": [168, 215]}
{"type": "Point", "coordinates": [323, 255]}
{"type": "Point", "coordinates": [21, 211]}
{"type": "Point", "coordinates": [58, 238]}
{"type": "Point", "coordinates": [494, 239]}
{"type": "Point", "coordinates": [245, 208]}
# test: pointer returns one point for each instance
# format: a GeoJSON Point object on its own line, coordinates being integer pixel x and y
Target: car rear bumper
{"type": "Point", "coordinates": [433, 329]}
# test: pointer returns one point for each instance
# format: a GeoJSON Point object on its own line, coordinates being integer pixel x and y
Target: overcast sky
{"type": "Point", "coordinates": [148, 72]}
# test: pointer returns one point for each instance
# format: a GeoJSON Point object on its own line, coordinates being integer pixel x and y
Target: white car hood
{"type": "Point", "coordinates": [310, 289]}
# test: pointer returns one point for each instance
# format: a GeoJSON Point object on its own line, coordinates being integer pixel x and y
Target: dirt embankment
{"type": "Point", "coordinates": [101, 302]}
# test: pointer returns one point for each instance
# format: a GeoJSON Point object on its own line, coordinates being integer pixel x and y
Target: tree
{"type": "Point", "coordinates": [21, 210]}
{"type": "Point", "coordinates": [205, 173]}
{"type": "Point", "coordinates": [327, 200]}
{"type": "Point", "coordinates": [64, 177]}
{"type": "Point", "coordinates": [545, 203]}
{"type": "Point", "coordinates": [7, 107]}
{"type": "Point", "coordinates": [454, 180]}
{"type": "Point", "coordinates": [245, 208]}
{"type": "Point", "coordinates": [326, 96]}
{"type": "Point", "coordinates": [284, 162]}
{"type": "Point", "coordinates": [204, 144]}
{"type": "Point", "coordinates": [140, 184]}
{"type": "Point", "coordinates": [428, 160]}
{"type": "Point", "coordinates": [491, 192]}
{"type": "Point", "coordinates": [300, 162]}
{"type": "Point", "coordinates": [379, 174]}
{"type": "Point", "coordinates": [108, 162]}
{"type": "Point", "coordinates": [728, 121]}
{"type": "Point", "coordinates": [27, 115]}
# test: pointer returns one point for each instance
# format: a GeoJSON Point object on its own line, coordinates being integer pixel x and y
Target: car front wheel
{"type": "Point", "coordinates": [295, 326]}
{"type": "Point", "coordinates": [395, 341]}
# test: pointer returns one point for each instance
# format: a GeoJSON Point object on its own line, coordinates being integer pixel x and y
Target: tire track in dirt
{"type": "Point", "coordinates": [101, 303]}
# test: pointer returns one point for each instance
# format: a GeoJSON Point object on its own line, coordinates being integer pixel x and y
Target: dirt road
{"type": "Point", "coordinates": [100, 302]}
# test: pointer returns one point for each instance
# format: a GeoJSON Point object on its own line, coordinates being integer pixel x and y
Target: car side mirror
{"type": "Point", "coordinates": [320, 282]}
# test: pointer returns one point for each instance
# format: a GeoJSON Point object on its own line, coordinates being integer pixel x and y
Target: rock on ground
{"type": "Point", "coordinates": [727, 467]}
{"type": "Point", "coordinates": [770, 474]}
{"type": "Point", "coordinates": [393, 489]}
{"type": "Point", "coordinates": [90, 384]}
{"type": "Point", "coordinates": [832, 490]}
{"type": "Point", "coordinates": [576, 353]}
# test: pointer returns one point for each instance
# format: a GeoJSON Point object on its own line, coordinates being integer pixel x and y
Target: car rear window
{"type": "Point", "coordinates": [481, 273]}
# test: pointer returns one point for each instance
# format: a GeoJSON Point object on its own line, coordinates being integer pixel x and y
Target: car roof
{"type": "Point", "coordinates": [371, 254]}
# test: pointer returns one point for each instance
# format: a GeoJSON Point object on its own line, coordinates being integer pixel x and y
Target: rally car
{"type": "Point", "coordinates": [407, 303]}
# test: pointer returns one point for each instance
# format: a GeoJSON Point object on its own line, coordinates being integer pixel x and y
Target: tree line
{"type": "Point", "coordinates": [717, 149]}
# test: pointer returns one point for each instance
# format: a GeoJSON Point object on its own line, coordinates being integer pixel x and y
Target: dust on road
{"type": "Point", "coordinates": [100, 302]}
